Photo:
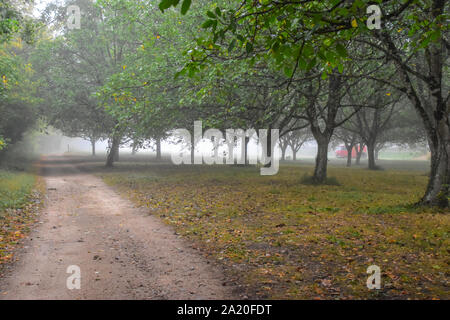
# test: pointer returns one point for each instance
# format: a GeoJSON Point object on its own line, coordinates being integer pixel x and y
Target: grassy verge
{"type": "Point", "coordinates": [19, 202]}
{"type": "Point", "coordinates": [284, 239]}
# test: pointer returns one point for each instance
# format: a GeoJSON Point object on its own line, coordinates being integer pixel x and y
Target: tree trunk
{"type": "Point", "coordinates": [349, 159]}
{"type": "Point", "coordinates": [433, 110]}
{"type": "Point", "coordinates": [116, 155]}
{"type": "Point", "coordinates": [283, 153]}
{"type": "Point", "coordinates": [349, 154]}
{"type": "Point", "coordinates": [378, 148]}
{"type": "Point", "coordinates": [371, 155]}
{"type": "Point", "coordinates": [323, 137]}
{"type": "Point", "coordinates": [247, 140]}
{"type": "Point", "coordinates": [268, 148]}
{"type": "Point", "coordinates": [320, 171]}
{"type": "Point", "coordinates": [93, 147]}
{"type": "Point", "coordinates": [359, 153]}
{"type": "Point", "coordinates": [294, 154]}
{"type": "Point", "coordinates": [192, 148]}
{"type": "Point", "coordinates": [113, 152]}
{"type": "Point", "coordinates": [437, 192]}
{"type": "Point", "coordinates": [158, 149]}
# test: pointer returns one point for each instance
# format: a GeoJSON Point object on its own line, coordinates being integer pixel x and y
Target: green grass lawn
{"type": "Point", "coordinates": [282, 239]}
{"type": "Point", "coordinates": [15, 187]}
{"type": "Point", "coordinates": [399, 155]}
{"type": "Point", "coordinates": [19, 201]}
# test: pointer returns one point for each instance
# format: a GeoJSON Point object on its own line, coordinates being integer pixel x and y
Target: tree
{"type": "Point", "coordinates": [371, 123]}
{"type": "Point", "coordinates": [420, 65]}
{"type": "Point", "coordinates": [316, 32]}
{"type": "Point", "coordinates": [77, 64]}
{"type": "Point", "coordinates": [295, 140]}
{"type": "Point", "coordinates": [350, 141]}
{"type": "Point", "coordinates": [17, 101]}
{"type": "Point", "coordinates": [14, 24]}
{"type": "Point", "coordinates": [13, 29]}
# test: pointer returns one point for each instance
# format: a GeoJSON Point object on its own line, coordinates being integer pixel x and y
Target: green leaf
{"type": "Point", "coordinates": [165, 4]}
{"type": "Point", "coordinates": [249, 47]}
{"type": "Point", "coordinates": [308, 49]}
{"type": "Point", "coordinates": [232, 45]}
{"type": "Point", "coordinates": [341, 50]}
{"type": "Point", "coordinates": [207, 24]}
{"type": "Point", "coordinates": [312, 63]}
{"type": "Point", "coordinates": [240, 37]}
{"type": "Point", "coordinates": [287, 71]}
{"type": "Point", "coordinates": [185, 6]}
{"type": "Point", "coordinates": [435, 35]}
{"type": "Point", "coordinates": [275, 46]}
{"type": "Point", "coordinates": [302, 64]}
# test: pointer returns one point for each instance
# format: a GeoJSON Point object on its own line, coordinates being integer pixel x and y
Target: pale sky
{"type": "Point", "coordinates": [39, 6]}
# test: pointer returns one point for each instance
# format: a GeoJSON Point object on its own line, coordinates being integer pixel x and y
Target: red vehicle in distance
{"type": "Point", "coordinates": [341, 152]}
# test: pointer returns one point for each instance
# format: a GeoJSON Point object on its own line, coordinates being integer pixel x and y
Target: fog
{"type": "Point", "coordinates": [57, 144]}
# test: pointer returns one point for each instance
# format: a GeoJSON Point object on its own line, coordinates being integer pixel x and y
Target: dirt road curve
{"type": "Point", "coordinates": [122, 252]}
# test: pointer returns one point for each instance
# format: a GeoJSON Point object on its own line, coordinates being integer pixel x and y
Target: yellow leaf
{"type": "Point", "coordinates": [354, 23]}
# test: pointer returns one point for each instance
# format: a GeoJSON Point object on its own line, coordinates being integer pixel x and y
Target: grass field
{"type": "Point", "coordinates": [282, 239]}
{"type": "Point", "coordinates": [19, 202]}
{"type": "Point", "coordinates": [399, 155]}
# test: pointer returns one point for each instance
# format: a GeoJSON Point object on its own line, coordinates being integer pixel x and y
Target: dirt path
{"type": "Point", "coordinates": [122, 252]}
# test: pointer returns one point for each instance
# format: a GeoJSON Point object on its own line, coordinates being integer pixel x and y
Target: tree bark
{"type": "Point", "coordinates": [323, 137]}
{"type": "Point", "coordinates": [438, 129]}
{"type": "Point", "coordinates": [192, 148]}
{"type": "Point", "coordinates": [294, 154]}
{"type": "Point", "coordinates": [349, 154]}
{"type": "Point", "coordinates": [93, 146]}
{"type": "Point", "coordinates": [158, 149]}
{"type": "Point", "coordinates": [283, 153]}
{"type": "Point", "coordinates": [320, 171]}
{"type": "Point", "coordinates": [433, 110]}
{"type": "Point", "coordinates": [113, 153]}
{"type": "Point", "coordinates": [359, 153]}
{"type": "Point", "coordinates": [371, 155]}
{"type": "Point", "coordinates": [247, 160]}
{"type": "Point", "coordinates": [268, 148]}
{"type": "Point", "coordinates": [437, 191]}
